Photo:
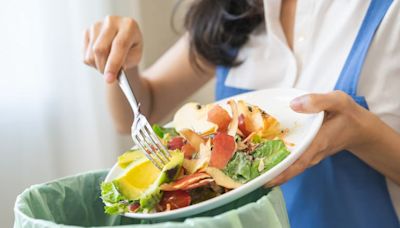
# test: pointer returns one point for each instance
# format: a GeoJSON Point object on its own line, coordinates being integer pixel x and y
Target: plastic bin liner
{"type": "Point", "coordinates": [74, 202]}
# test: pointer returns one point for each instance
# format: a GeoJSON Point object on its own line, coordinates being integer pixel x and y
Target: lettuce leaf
{"type": "Point", "coordinates": [269, 148]}
{"type": "Point", "coordinates": [239, 167]}
{"type": "Point", "coordinates": [162, 131]}
{"type": "Point", "coordinates": [243, 167]}
{"type": "Point", "coordinates": [116, 208]}
{"type": "Point", "coordinates": [270, 153]}
{"type": "Point", "coordinates": [110, 193]}
{"type": "Point", "coordinates": [114, 201]}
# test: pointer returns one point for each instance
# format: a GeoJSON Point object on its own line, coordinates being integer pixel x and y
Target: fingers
{"type": "Point", "coordinates": [314, 103]}
{"type": "Point", "coordinates": [118, 53]}
{"type": "Point", "coordinates": [113, 44]}
{"type": "Point", "coordinates": [102, 45]}
{"type": "Point", "coordinates": [330, 139]}
{"type": "Point", "coordinates": [93, 33]}
{"type": "Point", "coordinates": [124, 42]}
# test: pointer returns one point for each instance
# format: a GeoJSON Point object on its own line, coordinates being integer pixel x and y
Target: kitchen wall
{"type": "Point", "coordinates": [54, 120]}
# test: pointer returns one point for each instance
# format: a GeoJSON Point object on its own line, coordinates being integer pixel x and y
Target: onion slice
{"type": "Point", "coordinates": [233, 126]}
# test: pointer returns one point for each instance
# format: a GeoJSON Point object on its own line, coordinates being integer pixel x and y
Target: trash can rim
{"type": "Point", "coordinates": [21, 208]}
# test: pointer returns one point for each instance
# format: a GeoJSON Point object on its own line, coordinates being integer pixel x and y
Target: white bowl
{"type": "Point", "coordinates": [302, 130]}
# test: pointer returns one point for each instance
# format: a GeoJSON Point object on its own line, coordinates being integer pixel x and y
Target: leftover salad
{"type": "Point", "coordinates": [213, 150]}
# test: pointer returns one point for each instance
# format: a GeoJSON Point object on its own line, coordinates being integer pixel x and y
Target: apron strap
{"type": "Point", "coordinates": [348, 79]}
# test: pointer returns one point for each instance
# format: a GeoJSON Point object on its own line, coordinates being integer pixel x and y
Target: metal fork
{"type": "Point", "coordinates": [142, 134]}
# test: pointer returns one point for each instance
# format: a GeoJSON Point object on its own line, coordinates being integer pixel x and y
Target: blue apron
{"type": "Point", "coordinates": [341, 191]}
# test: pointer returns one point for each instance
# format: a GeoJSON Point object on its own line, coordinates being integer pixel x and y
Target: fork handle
{"type": "Point", "coordinates": [127, 90]}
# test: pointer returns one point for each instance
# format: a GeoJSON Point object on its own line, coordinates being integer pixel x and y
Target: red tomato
{"type": "Point", "coordinates": [223, 148]}
{"type": "Point", "coordinates": [188, 150]}
{"type": "Point", "coordinates": [242, 126]}
{"type": "Point", "coordinates": [175, 199]}
{"type": "Point", "coordinates": [220, 117]}
{"type": "Point", "coordinates": [133, 207]}
{"type": "Point", "coordinates": [175, 143]}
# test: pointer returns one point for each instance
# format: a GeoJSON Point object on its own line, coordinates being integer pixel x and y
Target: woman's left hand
{"type": "Point", "coordinates": [347, 125]}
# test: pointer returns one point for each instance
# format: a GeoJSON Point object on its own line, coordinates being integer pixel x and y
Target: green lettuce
{"type": "Point", "coordinates": [110, 193]}
{"type": "Point", "coordinates": [163, 131]}
{"type": "Point", "coordinates": [244, 167]}
{"type": "Point", "coordinates": [239, 167]}
{"type": "Point", "coordinates": [270, 153]}
{"type": "Point", "coordinates": [117, 208]}
{"type": "Point", "coordinates": [270, 148]}
{"type": "Point", "coordinates": [114, 201]}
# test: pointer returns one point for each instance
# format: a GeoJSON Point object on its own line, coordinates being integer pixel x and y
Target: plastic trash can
{"type": "Point", "coordinates": [74, 202]}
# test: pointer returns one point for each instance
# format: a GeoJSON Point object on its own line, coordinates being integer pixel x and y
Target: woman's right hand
{"type": "Point", "coordinates": [112, 44]}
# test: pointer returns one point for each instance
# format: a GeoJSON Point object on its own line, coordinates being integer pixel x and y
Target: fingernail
{"type": "Point", "coordinates": [109, 77]}
{"type": "Point", "coordinates": [298, 102]}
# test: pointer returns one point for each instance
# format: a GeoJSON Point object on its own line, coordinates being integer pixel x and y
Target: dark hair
{"type": "Point", "coordinates": [218, 27]}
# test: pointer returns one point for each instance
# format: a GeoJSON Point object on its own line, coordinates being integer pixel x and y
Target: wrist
{"type": "Point", "coordinates": [369, 134]}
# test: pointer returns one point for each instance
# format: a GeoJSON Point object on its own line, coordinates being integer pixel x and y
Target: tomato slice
{"type": "Point", "coordinates": [176, 143]}
{"type": "Point", "coordinates": [223, 148]}
{"type": "Point", "coordinates": [188, 150]}
{"type": "Point", "coordinates": [175, 199]}
{"type": "Point", "coordinates": [220, 117]}
{"type": "Point", "coordinates": [134, 207]}
{"type": "Point", "coordinates": [242, 126]}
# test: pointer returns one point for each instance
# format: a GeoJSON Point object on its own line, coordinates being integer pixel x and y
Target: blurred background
{"type": "Point", "coordinates": [54, 120]}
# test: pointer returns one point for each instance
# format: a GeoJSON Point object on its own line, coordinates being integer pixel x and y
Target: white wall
{"type": "Point", "coordinates": [53, 116]}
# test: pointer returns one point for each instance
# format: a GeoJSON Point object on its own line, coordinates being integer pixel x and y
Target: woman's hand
{"type": "Point", "coordinates": [113, 44]}
{"type": "Point", "coordinates": [347, 125]}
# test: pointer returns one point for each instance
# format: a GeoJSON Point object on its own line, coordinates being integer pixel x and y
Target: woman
{"type": "Point", "coordinates": [350, 174]}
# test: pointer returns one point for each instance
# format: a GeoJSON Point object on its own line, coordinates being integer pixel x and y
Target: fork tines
{"type": "Point", "coordinates": [145, 138]}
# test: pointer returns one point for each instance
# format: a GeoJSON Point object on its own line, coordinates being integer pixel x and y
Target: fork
{"type": "Point", "coordinates": [142, 134]}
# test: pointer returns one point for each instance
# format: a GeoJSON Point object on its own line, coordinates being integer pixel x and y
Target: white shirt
{"type": "Point", "coordinates": [324, 32]}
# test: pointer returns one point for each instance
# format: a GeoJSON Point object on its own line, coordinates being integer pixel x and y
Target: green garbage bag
{"type": "Point", "coordinates": [74, 202]}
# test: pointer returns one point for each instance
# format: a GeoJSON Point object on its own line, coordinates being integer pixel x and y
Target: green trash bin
{"type": "Point", "coordinates": [74, 202]}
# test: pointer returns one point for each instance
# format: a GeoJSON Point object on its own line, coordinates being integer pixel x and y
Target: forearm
{"type": "Point", "coordinates": [172, 78]}
{"type": "Point", "coordinates": [382, 152]}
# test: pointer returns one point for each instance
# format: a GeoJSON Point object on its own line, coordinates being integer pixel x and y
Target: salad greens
{"type": "Point", "coordinates": [115, 202]}
{"type": "Point", "coordinates": [164, 131]}
{"type": "Point", "coordinates": [244, 167]}
{"type": "Point", "coordinates": [270, 153]}
{"type": "Point", "coordinates": [239, 167]}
